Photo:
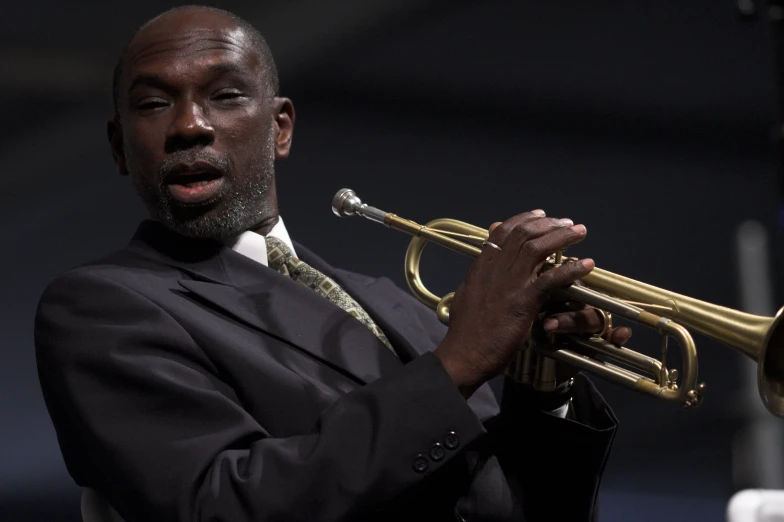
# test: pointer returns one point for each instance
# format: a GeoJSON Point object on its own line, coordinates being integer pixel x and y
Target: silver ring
{"type": "Point", "coordinates": [490, 244]}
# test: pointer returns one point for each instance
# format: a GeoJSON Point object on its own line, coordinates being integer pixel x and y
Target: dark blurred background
{"type": "Point", "coordinates": [649, 120]}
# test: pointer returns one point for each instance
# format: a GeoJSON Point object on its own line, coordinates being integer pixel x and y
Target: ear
{"type": "Point", "coordinates": [284, 127]}
{"type": "Point", "coordinates": [114, 133]}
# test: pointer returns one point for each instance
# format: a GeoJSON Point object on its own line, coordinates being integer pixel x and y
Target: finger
{"type": "Point", "coordinates": [561, 277]}
{"type": "Point", "coordinates": [560, 296]}
{"type": "Point", "coordinates": [528, 237]}
{"type": "Point", "coordinates": [533, 224]}
{"type": "Point", "coordinates": [532, 254]}
{"type": "Point", "coordinates": [524, 229]}
{"type": "Point", "coordinates": [619, 336]}
{"type": "Point", "coordinates": [489, 252]}
{"type": "Point", "coordinates": [582, 321]}
{"type": "Point", "coordinates": [499, 231]}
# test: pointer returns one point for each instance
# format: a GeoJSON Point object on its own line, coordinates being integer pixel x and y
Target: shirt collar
{"type": "Point", "coordinates": [254, 246]}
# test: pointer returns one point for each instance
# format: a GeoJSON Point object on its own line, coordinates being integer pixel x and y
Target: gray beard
{"type": "Point", "coordinates": [243, 203]}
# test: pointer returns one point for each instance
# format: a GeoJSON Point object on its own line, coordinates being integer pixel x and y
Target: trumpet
{"type": "Point", "coordinates": [672, 315]}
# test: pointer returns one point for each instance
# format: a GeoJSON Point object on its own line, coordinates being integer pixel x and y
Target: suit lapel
{"type": "Point", "coordinates": [384, 301]}
{"type": "Point", "coordinates": [270, 302]}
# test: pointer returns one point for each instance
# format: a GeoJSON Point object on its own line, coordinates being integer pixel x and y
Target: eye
{"type": "Point", "coordinates": [229, 95]}
{"type": "Point", "coordinates": [150, 104]}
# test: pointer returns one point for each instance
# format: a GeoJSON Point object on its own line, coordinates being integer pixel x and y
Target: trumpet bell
{"type": "Point", "coordinates": [770, 366]}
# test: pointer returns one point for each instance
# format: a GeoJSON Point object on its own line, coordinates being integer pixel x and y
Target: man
{"type": "Point", "coordinates": [188, 381]}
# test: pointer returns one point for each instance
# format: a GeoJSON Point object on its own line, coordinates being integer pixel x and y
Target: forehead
{"type": "Point", "coordinates": [184, 43]}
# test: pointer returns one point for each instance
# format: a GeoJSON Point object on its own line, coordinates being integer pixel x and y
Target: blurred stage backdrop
{"type": "Point", "coordinates": [648, 120]}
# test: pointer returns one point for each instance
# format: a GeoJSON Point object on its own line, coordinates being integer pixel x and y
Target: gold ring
{"type": "Point", "coordinates": [607, 320]}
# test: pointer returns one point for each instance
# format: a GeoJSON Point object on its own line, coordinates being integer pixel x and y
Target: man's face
{"type": "Point", "coordinates": [200, 127]}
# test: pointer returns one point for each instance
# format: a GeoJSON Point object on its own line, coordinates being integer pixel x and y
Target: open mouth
{"type": "Point", "coordinates": [194, 184]}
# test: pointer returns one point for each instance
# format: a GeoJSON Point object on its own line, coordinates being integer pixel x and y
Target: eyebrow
{"type": "Point", "coordinates": [220, 69]}
{"type": "Point", "coordinates": [156, 80]}
{"type": "Point", "coordinates": [153, 80]}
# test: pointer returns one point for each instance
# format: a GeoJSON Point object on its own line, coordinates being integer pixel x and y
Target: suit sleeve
{"type": "Point", "coordinates": [143, 416]}
{"type": "Point", "coordinates": [555, 469]}
{"type": "Point", "coordinates": [550, 467]}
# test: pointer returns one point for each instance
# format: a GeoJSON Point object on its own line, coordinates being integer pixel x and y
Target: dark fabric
{"type": "Point", "coordinates": [189, 383]}
{"type": "Point", "coordinates": [281, 258]}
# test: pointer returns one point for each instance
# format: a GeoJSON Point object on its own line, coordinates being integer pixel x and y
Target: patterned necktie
{"type": "Point", "coordinates": [281, 258]}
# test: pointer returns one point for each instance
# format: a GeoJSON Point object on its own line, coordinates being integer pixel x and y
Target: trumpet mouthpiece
{"type": "Point", "coordinates": [346, 203]}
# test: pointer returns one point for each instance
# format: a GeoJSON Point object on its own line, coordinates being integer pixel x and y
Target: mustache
{"type": "Point", "coordinates": [218, 162]}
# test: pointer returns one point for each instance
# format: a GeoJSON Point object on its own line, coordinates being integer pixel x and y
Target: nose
{"type": "Point", "coordinates": [189, 128]}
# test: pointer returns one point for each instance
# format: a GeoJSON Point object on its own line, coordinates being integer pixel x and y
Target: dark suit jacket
{"type": "Point", "coordinates": [187, 382]}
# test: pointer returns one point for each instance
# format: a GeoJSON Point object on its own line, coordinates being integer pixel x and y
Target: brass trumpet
{"type": "Point", "coordinates": [759, 337]}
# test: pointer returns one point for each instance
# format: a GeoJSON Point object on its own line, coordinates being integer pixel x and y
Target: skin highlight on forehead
{"type": "Point", "coordinates": [188, 42]}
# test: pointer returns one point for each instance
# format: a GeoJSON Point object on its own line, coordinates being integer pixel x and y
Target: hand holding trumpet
{"type": "Point", "coordinates": [505, 293]}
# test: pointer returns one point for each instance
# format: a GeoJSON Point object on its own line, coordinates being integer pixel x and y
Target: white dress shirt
{"type": "Point", "coordinates": [253, 245]}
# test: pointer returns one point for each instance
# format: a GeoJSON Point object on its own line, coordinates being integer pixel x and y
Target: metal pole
{"type": "Point", "coordinates": [758, 453]}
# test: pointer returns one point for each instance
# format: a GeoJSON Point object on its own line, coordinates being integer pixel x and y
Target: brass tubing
{"type": "Point", "coordinates": [630, 357]}
{"type": "Point", "coordinates": [431, 232]}
{"type": "Point", "coordinates": [758, 337]}
{"type": "Point", "coordinates": [605, 370]}
{"type": "Point", "coordinates": [740, 330]}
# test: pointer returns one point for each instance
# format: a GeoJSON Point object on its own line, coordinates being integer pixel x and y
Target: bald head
{"type": "Point", "coordinates": [190, 20]}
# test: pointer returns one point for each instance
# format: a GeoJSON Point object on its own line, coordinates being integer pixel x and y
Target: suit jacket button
{"type": "Point", "coordinates": [437, 452]}
{"type": "Point", "coordinates": [420, 464]}
{"type": "Point", "coordinates": [451, 441]}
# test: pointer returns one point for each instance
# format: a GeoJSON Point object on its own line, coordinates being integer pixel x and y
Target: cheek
{"type": "Point", "coordinates": [144, 144]}
{"type": "Point", "coordinates": [249, 126]}
{"type": "Point", "coordinates": [248, 137]}
{"type": "Point", "coordinates": [144, 140]}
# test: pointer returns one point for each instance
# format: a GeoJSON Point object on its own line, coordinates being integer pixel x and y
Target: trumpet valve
{"type": "Point", "coordinates": [672, 379]}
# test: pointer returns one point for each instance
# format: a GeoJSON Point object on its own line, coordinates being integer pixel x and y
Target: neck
{"type": "Point", "coordinates": [263, 227]}
{"type": "Point", "coordinates": [270, 207]}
